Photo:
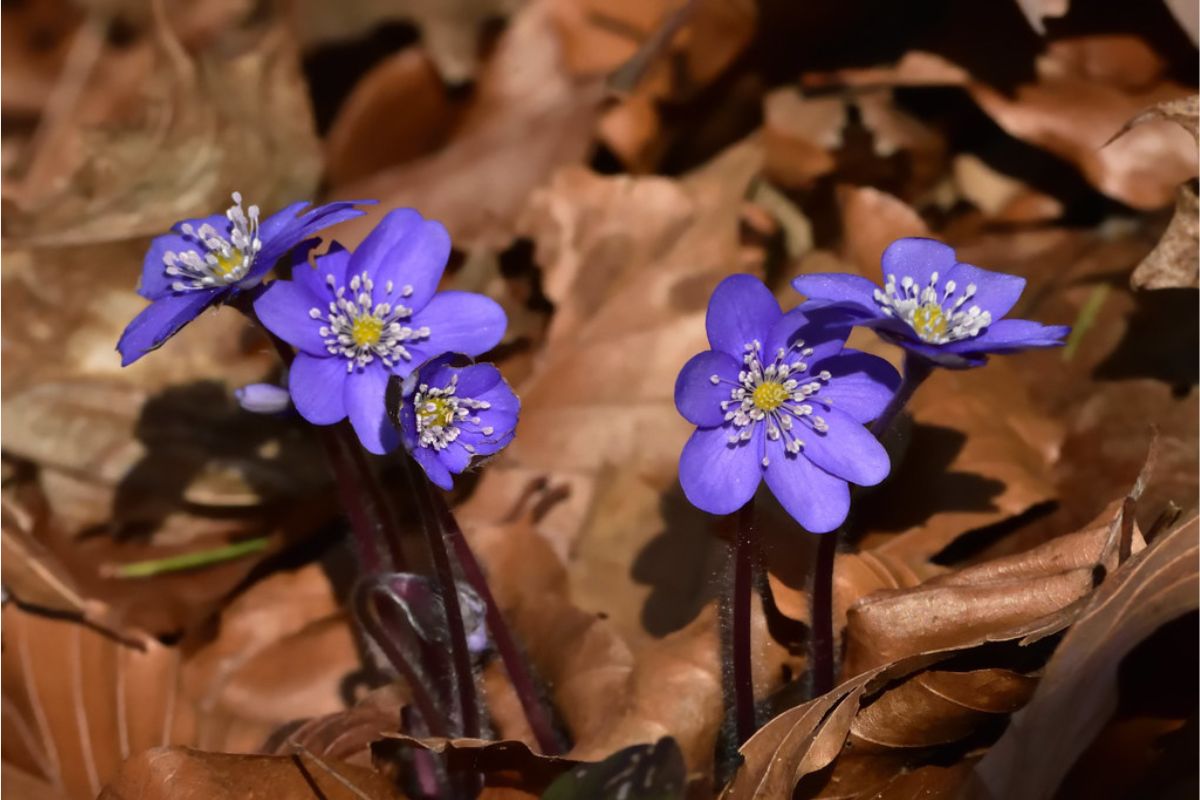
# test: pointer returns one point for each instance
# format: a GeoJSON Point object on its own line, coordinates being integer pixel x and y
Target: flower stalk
{"type": "Point", "coordinates": [519, 673]}
{"type": "Point", "coordinates": [822, 637]}
{"type": "Point", "coordinates": [743, 589]}
{"type": "Point", "coordinates": [464, 673]}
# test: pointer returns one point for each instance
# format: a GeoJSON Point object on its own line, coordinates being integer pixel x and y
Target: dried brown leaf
{"type": "Point", "coordinates": [368, 135]}
{"type": "Point", "coordinates": [232, 117]}
{"type": "Point", "coordinates": [969, 605]}
{"type": "Point", "coordinates": [1173, 261]}
{"type": "Point", "coordinates": [525, 119]}
{"type": "Point", "coordinates": [180, 773]}
{"type": "Point", "coordinates": [1086, 88]}
{"type": "Point", "coordinates": [79, 702]}
{"type": "Point", "coordinates": [1078, 691]}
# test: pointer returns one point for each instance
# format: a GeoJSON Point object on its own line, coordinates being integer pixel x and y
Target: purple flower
{"type": "Point", "coordinates": [931, 305]}
{"type": "Point", "coordinates": [450, 415]}
{"type": "Point", "coordinates": [779, 398]}
{"type": "Point", "coordinates": [357, 319]}
{"type": "Point", "coordinates": [207, 261]}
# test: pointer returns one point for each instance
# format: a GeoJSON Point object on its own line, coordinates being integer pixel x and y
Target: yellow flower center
{"type": "Point", "coordinates": [929, 321]}
{"type": "Point", "coordinates": [442, 413]}
{"type": "Point", "coordinates": [366, 331]}
{"type": "Point", "coordinates": [770, 395]}
{"type": "Point", "coordinates": [227, 264]}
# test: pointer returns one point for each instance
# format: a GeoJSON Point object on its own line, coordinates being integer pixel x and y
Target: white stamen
{"type": "Point", "coordinates": [225, 261]}
{"type": "Point", "coordinates": [935, 319]}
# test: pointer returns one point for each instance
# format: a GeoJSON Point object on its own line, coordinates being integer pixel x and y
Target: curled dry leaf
{"type": "Point", "coordinates": [1173, 262]}
{"type": "Point", "coordinates": [180, 773]}
{"type": "Point", "coordinates": [1078, 691]}
{"type": "Point", "coordinates": [896, 696]}
{"type": "Point", "coordinates": [965, 606]}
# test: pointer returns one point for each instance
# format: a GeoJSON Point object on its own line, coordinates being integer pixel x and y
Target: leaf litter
{"type": "Point", "coordinates": [609, 165]}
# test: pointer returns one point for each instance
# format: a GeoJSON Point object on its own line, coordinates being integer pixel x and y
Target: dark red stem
{"type": "Point", "coordinates": [464, 674]}
{"type": "Point", "coordinates": [511, 656]}
{"type": "Point", "coordinates": [822, 657]}
{"type": "Point", "coordinates": [743, 590]}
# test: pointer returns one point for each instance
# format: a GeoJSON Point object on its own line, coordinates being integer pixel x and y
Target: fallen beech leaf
{"type": "Point", "coordinates": [180, 773]}
{"type": "Point", "coordinates": [78, 703]}
{"type": "Point", "coordinates": [957, 608]}
{"type": "Point", "coordinates": [31, 573]}
{"type": "Point", "coordinates": [981, 452]}
{"type": "Point", "coordinates": [1078, 690]}
{"type": "Point", "coordinates": [938, 707]}
{"type": "Point", "coordinates": [81, 702]}
{"type": "Point", "coordinates": [344, 735]}
{"type": "Point", "coordinates": [525, 119]}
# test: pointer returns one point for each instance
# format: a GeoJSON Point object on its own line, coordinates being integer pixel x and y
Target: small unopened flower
{"type": "Point", "coordinates": [947, 312]}
{"type": "Point", "coordinates": [357, 319]}
{"type": "Point", "coordinates": [450, 416]}
{"type": "Point", "coordinates": [263, 398]}
{"type": "Point", "coordinates": [779, 398]}
{"type": "Point", "coordinates": [207, 261]}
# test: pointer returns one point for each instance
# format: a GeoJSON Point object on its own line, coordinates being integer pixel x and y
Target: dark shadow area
{"type": "Point", "coordinates": [1162, 341]}
{"type": "Point", "coordinates": [968, 129]}
{"type": "Point", "coordinates": [923, 486]}
{"type": "Point", "coordinates": [333, 70]}
{"type": "Point", "coordinates": [799, 37]}
{"type": "Point", "coordinates": [973, 543]}
{"type": "Point", "coordinates": [1152, 734]}
{"type": "Point", "coordinates": [681, 565]}
{"type": "Point", "coordinates": [185, 430]}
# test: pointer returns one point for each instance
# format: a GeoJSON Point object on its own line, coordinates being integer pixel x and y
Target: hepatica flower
{"type": "Point", "coordinates": [932, 305]}
{"type": "Point", "coordinates": [207, 261]}
{"type": "Point", "coordinates": [449, 416]}
{"type": "Point", "coordinates": [357, 319]}
{"type": "Point", "coordinates": [778, 398]}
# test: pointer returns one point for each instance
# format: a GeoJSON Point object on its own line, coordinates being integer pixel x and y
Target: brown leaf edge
{"type": "Point", "coordinates": [1077, 694]}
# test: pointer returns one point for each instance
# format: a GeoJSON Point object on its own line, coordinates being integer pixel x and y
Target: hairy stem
{"type": "Point", "coordinates": [743, 589]}
{"type": "Point", "coordinates": [385, 630]}
{"type": "Point", "coordinates": [916, 370]}
{"type": "Point", "coordinates": [821, 639]}
{"type": "Point", "coordinates": [519, 673]}
{"type": "Point", "coordinates": [464, 674]}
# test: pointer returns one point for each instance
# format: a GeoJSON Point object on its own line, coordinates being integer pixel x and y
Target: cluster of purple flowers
{"type": "Point", "coordinates": [779, 398]}
{"type": "Point", "coordinates": [356, 320]}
